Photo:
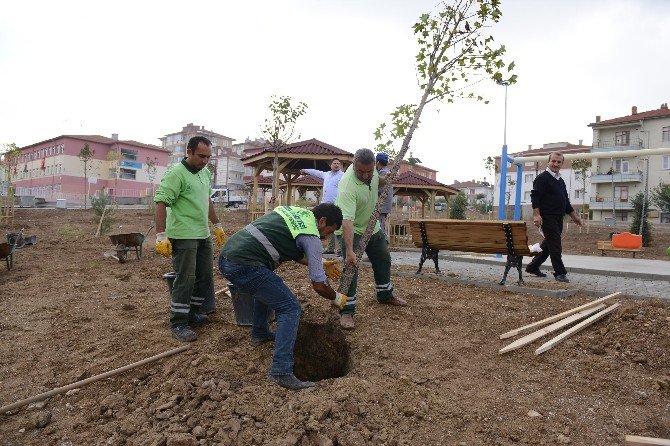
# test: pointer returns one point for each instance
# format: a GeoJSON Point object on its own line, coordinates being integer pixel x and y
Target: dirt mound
{"type": "Point", "coordinates": [429, 373]}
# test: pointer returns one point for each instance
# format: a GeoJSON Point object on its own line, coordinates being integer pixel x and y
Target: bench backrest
{"type": "Point", "coordinates": [481, 236]}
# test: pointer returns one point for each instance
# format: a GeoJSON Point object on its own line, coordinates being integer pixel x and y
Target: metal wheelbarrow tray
{"type": "Point", "coordinates": [7, 253]}
{"type": "Point", "coordinates": [126, 242]}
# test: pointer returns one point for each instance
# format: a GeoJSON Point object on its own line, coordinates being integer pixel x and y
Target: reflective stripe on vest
{"type": "Point", "coordinates": [258, 235]}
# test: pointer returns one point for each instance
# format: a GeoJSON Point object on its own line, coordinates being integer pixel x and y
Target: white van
{"type": "Point", "coordinates": [232, 198]}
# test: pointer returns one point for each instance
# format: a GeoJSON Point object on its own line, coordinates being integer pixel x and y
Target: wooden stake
{"type": "Point", "coordinates": [557, 317]}
{"type": "Point", "coordinates": [582, 325]}
{"type": "Point", "coordinates": [97, 233]}
{"type": "Point", "coordinates": [225, 291]}
{"type": "Point", "coordinates": [549, 329]}
{"type": "Point", "coordinates": [83, 382]}
{"type": "Point", "coordinates": [634, 440]}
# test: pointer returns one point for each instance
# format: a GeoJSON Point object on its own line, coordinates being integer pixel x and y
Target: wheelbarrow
{"type": "Point", "coordinates": [7, 253]}
{"type": "Point", "coordinates": [126, 242]}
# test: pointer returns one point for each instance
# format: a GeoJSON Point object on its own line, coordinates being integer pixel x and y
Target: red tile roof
{"type": "Point", "coordinates": [308, 180]}
{"type": "Point", "coordinates": [467, 184]}
{"type": "Point", "coordinates": [414, 179]}
{"type": "Point", "coordinates": [651, 114]}
{"type": "Point", "coordinates": [568, 148]}
{"type": "Point", "coordinates": [308, 147]}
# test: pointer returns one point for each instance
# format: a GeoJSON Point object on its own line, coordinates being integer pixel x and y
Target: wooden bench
{"type": "Point", "coordinates": [607, 246]}
{"type": "Point", "coordinates": [480, 236]}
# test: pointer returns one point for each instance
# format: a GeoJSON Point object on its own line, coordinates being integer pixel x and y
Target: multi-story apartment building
{"type": "Point", "coordinates": [616, 181]}
{"type": "Point", "coordinates": [52, 169]}
{"type": "Point", "coordinates": [473, 189]}
{"type": "Point", "coordinates": [578, 186]}
{"type": "Point", "coordinates": [226, 168]}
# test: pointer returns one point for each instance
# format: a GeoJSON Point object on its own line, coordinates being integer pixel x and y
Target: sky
{"type": "Point", "coordinates": [146, 69]}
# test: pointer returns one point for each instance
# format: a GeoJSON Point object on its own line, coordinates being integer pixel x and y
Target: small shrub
{"type": "Point", "coordinates": [98, 204]}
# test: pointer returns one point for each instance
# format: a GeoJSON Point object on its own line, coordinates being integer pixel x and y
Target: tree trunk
{"type": "Point", "coordinates": [348, 274]}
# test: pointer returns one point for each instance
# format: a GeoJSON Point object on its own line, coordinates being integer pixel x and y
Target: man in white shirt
{"type": "Point", "coordinates": [330, 182]}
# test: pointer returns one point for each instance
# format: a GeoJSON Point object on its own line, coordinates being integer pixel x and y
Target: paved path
{"type": "Point", "coordinates": [597, 275]}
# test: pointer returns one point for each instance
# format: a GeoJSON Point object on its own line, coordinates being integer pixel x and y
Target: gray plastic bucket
{"type": "Point", "coordinates": [243, 306]}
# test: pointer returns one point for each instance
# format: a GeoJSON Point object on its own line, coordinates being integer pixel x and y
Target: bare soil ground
{"type": "Point", "coordinates": [426, 374]}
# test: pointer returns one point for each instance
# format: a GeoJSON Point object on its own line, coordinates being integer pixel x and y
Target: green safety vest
{"type": "Point", "coordinates": [270, 240]}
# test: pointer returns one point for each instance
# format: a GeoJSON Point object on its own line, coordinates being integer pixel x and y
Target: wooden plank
{"type": "Point", "coordinates": [550, 329]}
{"type": "Point", "coordinates": [582, 325]}
{"type": "Point", "coordinates": [559, 316]}
{"type": "Point", "coordinates": [634, 440]}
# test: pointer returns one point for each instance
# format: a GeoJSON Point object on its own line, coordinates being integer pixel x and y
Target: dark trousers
{"type": "Point", "coordinates": [380, 258]}
{"type": "Point", "coordinates": [552, 227]}
{"type": "Point", "coordinates": [192, 261]}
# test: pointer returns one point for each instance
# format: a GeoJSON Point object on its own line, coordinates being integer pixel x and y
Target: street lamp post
{"type": "Point", "coordinates": [503, 162]}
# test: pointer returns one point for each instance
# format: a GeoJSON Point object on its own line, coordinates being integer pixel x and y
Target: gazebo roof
{"type": "Point", "coordinates": [410, 183]}
{"type": "Point", "coordinates": [308, 154]}
{"type": "Point", "coordinates": [407, 183]}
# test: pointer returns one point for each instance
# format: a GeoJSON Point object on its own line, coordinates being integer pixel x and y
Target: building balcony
{"type": "Point", "coordinates": [617, 177]}
{"type": "Point", "coordinates": [604, 145]}
{"type": "Point", "coordinates": [606, 203]}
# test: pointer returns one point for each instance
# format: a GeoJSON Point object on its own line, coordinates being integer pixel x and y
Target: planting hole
{"type": "Point", "coordinates": [321, 352]}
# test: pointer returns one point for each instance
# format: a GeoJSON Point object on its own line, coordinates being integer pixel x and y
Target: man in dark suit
{"type": "Point", "coordinates": [550, 203]}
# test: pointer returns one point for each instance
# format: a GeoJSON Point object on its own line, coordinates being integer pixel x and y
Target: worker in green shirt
{"type": "Point", "coordinates": [182, 209]}
{"type": "Point", "coordinates": [357, 197]}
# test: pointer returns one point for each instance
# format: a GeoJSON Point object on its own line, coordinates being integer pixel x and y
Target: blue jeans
{"type": "Point", "coordinates": [269, 292]}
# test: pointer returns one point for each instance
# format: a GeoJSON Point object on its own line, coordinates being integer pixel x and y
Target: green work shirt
{"type": "Point", "coordinates": [357, 200]}
{"type": "Point", "coordinates": [186, 192]}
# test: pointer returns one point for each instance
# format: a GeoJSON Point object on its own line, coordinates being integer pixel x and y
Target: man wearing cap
{"type": "Point", "coordinates": [249, 259]}
{"type": "Point", "coordinates": [385, 209]}
{"type": "Point", "coordinates": [330, 182]}
{"type": "Point", "coordinates": [357, 197]}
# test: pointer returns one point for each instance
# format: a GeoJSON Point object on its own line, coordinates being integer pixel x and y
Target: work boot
{"type": "Point", "coordinates": [347, 321]}
{"type": "Point", "coordinates": [290, 382]}
{"type": "Point", "coordinates": [197, 319]}
{"type": "Point", "coordinates": [261, 341]}
{"type": "Point", "coordinates": [184, 333]}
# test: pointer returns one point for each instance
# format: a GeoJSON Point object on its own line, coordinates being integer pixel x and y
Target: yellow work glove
{"type": "Point", "coordinates": [332, 269]}
{"type": "Point", "coordinates": [163, 245]}
{"type": "Point", "coordinates": [219, 237]}
{"type": "Point", "coordinates": [340, 300]}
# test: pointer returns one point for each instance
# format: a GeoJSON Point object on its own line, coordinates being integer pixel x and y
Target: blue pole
{"type": "Point", "coordinates": [517, 203]}
{"type": "Point", "coordinates": [503, 183]}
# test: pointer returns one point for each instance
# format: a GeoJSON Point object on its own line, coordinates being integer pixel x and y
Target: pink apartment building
{"type": "Point", "coordinates": [52, 169]}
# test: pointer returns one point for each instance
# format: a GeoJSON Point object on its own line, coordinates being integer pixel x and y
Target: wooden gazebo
{"type": "Point", "coordinates": [410, 184]}
{"type": "Point", "coordinates": [309, 154]}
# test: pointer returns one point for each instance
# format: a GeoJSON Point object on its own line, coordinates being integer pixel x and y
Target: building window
{"type": "Point", "coordinates": [621, 166]}
{"type": "Point", "coordinates": [127, 174]}
{"type": "Point", "coordinates": [526, 196]}
{"type": "Point", "coordinates": [128, 154]}
{"type": "Point", "coordinates": [665, 217]}
{"type": "Point", "coordinates": [578, 193]}
{"type": "Point", "coordinates": [622, 215]}
{"type": "Point", "coordinates": [666, 134]}
{"type": "Point", "coordinates": [666, 162]}
{"type": "Point", "coordinates": [528, 178]}
{"type": "Point", "coordinates": [621, 193]}
{"type": "Point", "coordinates": [622, 138]}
